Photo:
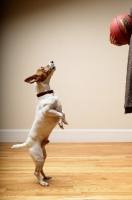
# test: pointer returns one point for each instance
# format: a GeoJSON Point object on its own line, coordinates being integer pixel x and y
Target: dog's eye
{"type": "Point", "coordinates": [42, 68]}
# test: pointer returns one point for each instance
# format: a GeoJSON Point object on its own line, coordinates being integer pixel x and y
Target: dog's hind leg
{"type": "Point", "coordinates": [37, 155]}
{"type": "Point", "coordinates": [45, 155]}
{"type": "Point", "coordinates": [44, 175]}
{"type": "Point", "coordinates": [37, 174]}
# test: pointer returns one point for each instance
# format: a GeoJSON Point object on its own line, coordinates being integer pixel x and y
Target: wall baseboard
{"type": "Point", "coordinates": [71, 135]}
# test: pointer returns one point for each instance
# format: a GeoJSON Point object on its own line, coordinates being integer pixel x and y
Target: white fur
{"type": "Point", "coordinates": [48, 114]}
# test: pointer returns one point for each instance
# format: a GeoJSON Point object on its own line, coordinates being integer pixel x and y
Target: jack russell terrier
{"type": "Point", "coordinates": [48, 114]}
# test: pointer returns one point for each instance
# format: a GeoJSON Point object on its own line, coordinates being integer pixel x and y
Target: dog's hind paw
{"type": "Point", "coordinates": [43, 183]}
{"type": "Point", "coordinates": [47, 177]}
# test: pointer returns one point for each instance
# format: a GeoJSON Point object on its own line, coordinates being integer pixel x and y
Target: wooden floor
{"type": "Point", "coordinates": [82, 171]}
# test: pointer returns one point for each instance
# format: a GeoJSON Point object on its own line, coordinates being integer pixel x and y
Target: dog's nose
{"type": "Point", "coordinates": [52, 61]}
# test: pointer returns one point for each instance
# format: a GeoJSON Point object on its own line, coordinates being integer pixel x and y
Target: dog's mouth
{"type": "Point", "coordinates": [54, 67]}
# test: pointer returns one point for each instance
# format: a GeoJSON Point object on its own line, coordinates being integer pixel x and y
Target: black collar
{"type": "Point", "coordinates": [46, 92]}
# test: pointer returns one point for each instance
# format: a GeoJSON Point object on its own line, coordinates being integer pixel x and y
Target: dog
{"type": "Point", "coordinates": [48, 114]}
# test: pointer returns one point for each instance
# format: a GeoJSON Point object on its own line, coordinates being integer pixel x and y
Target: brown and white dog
{"type": "Point", "coordinates": [48, 114]}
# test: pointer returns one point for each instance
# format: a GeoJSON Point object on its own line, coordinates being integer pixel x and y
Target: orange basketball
{"type": "Point", "coordinates": [121, 29]}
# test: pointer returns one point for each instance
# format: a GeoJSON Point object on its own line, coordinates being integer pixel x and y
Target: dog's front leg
{"type": "Point", "coordinates": [52, 112]}
{"type": "Point", "coordinates": [62, 120]}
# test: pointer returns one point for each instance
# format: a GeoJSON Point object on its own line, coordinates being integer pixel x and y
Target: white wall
{"type": "Point", "coordinates": [91, 73]}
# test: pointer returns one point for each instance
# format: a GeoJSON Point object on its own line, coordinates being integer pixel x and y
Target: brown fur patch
{"type": "Point", "coordinates": [40, 75]}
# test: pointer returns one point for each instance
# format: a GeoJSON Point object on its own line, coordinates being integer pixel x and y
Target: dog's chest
{"type": "Point", "coordinates": [47, 100]}
{"type": "Point", "coordinates": [44, 103]}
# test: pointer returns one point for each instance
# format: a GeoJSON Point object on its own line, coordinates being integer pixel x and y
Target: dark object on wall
{"type": "Point", "coordinates": [128, 93]}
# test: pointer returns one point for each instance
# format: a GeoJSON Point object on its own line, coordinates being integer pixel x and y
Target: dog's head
{"type": "Point", "coordinates": [42, 73]}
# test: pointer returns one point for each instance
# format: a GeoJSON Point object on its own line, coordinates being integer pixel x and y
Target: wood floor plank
{"type": "Point", "coordinates": [80, 171]}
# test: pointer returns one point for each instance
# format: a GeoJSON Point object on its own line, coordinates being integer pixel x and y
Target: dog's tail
{"type": "Point", "coordinates": [19, 145]}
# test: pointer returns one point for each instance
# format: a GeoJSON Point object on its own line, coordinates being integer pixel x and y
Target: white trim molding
{"type": "Point", "coordinates": [71, 135]}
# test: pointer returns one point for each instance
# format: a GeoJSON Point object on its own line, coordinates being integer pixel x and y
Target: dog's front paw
{"type": "Point", "coordinates": [65, 122]}
{"type": "Point", "coordinates": [43, 183]}
{"type": "Point", "coordinates": [61, 125]}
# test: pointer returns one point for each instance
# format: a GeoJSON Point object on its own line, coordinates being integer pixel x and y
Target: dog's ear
{"type": "Point", "coordinates": [34, 78]}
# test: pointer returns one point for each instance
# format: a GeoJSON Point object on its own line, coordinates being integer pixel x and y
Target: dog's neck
{"type": "Point", "coordinates": [41, 87]}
